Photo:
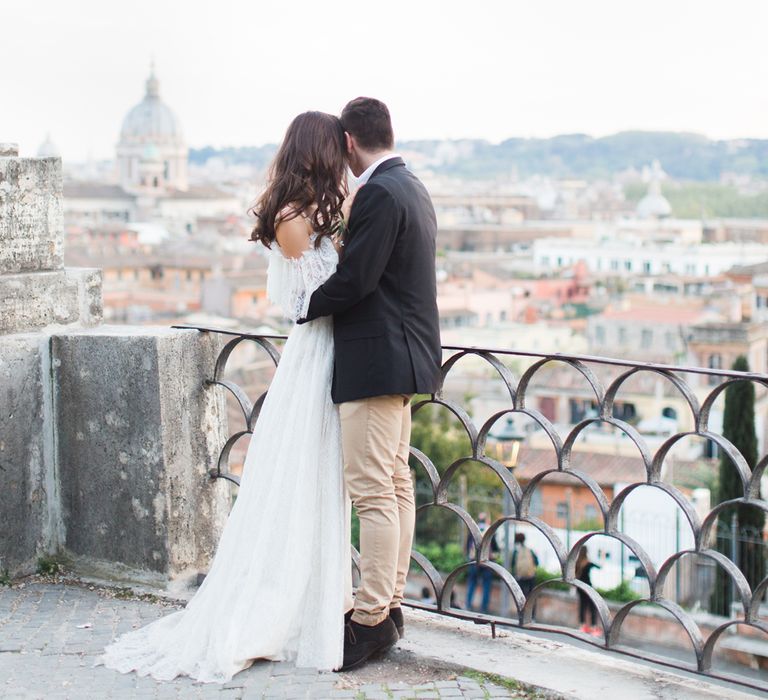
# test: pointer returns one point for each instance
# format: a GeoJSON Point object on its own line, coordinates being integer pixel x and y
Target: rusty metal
{"type": "Point", "coordinates": [703, 647]}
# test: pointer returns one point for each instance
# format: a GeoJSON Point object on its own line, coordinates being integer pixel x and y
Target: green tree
{"type": "Point", "coordinates": [438, 434]}
{"type": "Point", "coordinates": [739, 429]}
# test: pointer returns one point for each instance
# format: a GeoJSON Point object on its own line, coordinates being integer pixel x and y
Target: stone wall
{"type": "Point", "coordinates": [106, 433]}
{"type": "Point", "coordinates": [29, 522]}
{"type": "Point", "coordinates": [137, 433]}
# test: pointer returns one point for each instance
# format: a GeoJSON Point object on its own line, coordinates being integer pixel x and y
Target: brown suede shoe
{"type": "Point", "coordinates": [396, 615]}
{"type": "Point", "coordinates": [361, 642]}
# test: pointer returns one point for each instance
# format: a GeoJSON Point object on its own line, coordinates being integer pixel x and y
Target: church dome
{"type": "Point", "coordinates": [654, 205]}
{"type": "Point", "coordinates": [48, 149]}
{"type": "Point", "coordinates": [151, 120]}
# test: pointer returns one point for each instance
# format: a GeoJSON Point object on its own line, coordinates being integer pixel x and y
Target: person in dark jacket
{"type": "Point", "coordinates": [383, 300]}
{"type": "Point", "coordinates": [475, 571]}
{"type": "Point", "coordinates": [523, 564]}
{"type": "Point", "coordinates": [584, 573]}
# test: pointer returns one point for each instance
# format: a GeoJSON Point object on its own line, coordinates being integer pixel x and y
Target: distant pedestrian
{"type": "Point", "coordinates": [524, 563]}
{"type": "Point", "coordinates": [584, 573]}
{"type": "Point", "coordinates": [476, 571]}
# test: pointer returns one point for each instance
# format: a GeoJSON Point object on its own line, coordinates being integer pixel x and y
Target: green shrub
{"type": "Point", "coordinates": [543, 575]}
{"type": "Point", "coordinates": [48, 566]}
{"type": "Point", "coordinates": [621, 593]}
{"type": "Point", "coordinates": [445, 558]}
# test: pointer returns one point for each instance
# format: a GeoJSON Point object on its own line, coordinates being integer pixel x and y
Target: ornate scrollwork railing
{"type": "Point", "coordinates": [517, 399]}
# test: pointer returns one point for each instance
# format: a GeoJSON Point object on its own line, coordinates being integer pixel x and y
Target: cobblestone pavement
{"type": "Point", "coordinates": [51, 633]}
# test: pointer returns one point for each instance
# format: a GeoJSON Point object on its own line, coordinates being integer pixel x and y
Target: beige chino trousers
{"type": "Point", "coordinates": [376, 434]}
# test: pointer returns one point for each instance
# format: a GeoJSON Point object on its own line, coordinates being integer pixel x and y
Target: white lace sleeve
{"type": "Point", "coordinates": [291, 281]}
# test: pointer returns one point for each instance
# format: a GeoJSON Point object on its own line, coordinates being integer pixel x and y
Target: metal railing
{"type": "Point", "coordinates": [706, 529]}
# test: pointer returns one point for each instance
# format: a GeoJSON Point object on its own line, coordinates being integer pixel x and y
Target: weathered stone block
{"type": "Point", "coordinates": [29, 524]}
{"type": "Point", "coordinates": [32, 301]}
{"type": "Point", "coordinates": [31, 220]}
{"type": "Point", "coordinates": [137, 432]}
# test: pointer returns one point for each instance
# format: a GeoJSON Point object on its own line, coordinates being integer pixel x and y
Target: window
{"type": "Point", "coordinates": [559, 261]}
{"type": "Point", "coordinates": [600, 335]}
{"type": "Point", "coordinates": [647, 266]}
{"type": "Point", "coordinates": [622, 335]}
{"type": "Point", "coordinates": [628, 265]}
{"type": "Point", "coordinates": [624, 411]}
{"type": "Point", "coordinates": [646, 338]}
{"type": "Point", "coordinates": [614, 264]}
{"type": "Point", "coordinates": [590, 512]}
{"type": "Point", "coordinates": [669, 340]}
{"type": "Point", "coordinates": [562, 511]}
{"type": "Point", "coordinates": [536, 508]}
{"type": "Point", "coordinates": [189, 275]}
{"type": "Point", "coordinates": [715, 361]}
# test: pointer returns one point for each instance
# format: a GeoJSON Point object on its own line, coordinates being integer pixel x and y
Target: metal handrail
{"type": "Point", "coordinates": [748, 597]}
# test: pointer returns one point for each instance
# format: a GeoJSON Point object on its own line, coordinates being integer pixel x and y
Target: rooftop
{"type": "Point", "coordinates": [605, 469]}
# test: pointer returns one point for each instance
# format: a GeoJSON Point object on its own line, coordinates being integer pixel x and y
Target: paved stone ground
{"type": "Point", "coordinates": [50, 634]}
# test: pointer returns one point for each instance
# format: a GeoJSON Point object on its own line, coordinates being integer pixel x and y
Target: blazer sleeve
{"type": "Point", "coordinates": [373, 229]}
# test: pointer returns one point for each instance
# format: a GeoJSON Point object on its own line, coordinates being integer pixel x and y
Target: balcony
{"type": "Point", "coordinates": [120, 448]}
{"type": "Point", "coordinates": [665, 552]}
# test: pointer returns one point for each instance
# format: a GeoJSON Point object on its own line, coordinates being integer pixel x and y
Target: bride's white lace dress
{"type": "Point", "coordinates": [275, 589]}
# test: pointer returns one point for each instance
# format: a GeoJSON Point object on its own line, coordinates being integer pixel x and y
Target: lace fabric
{"type": "Point", "coordinates": [291, 281]}
{"type": "Point", "coordinates": [275, 589]}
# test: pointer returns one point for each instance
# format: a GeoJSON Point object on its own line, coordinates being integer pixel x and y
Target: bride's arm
{"type": "Point", "coordinates": [293, 237]}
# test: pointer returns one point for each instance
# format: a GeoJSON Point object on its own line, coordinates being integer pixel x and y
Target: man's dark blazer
{"type": "Point", "coordinates": [383, 294]}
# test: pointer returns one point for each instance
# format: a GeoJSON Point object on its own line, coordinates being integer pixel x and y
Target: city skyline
{"type": "Point", "coordinates": [237, 76]}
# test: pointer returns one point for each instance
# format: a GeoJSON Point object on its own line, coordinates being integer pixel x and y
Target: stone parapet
{"type": "Point", "coordinates": [137, 432]}
{"type": "Point", "coordinates": [30, 302]}
{"type": "Point", "coordinates": [31, 219]}
{"type": "Point", "coordinates": [106, 433]}
{"type": "Point", "coordinates": [29, 522]}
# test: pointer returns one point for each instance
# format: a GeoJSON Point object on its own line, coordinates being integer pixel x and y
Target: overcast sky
{"type": "Point", "coordinates": [237, 72]}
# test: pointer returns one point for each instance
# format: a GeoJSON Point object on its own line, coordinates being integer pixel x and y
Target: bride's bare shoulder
{"type": "Point", "coordinates": [292, 233]}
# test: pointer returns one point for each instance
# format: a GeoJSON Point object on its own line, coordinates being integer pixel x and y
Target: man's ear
{"type": "Point", "coordinates": [350, 142]}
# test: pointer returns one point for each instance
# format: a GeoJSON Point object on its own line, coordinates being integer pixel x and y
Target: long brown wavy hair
{"type": "Point", "coordinates": [308, 172]}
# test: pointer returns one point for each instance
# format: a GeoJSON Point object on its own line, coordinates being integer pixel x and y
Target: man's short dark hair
{"type": "Point", "coordinates": [368, 120]}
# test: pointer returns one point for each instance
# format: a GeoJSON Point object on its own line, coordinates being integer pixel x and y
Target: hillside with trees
{"type": "Point", "coordinates": [684, 156]}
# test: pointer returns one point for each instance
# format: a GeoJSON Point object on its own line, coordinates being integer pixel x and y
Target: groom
{"type": "Point", "coordinates": [383, 301]}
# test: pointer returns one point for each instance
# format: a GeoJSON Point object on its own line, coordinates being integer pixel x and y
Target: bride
{"type": "Point", "coordinates": [276, 587]}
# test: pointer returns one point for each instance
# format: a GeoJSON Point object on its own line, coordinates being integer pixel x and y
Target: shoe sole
{"type": "Point", "coordinates": [378, 651]}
